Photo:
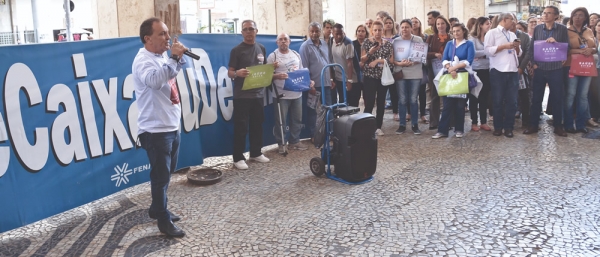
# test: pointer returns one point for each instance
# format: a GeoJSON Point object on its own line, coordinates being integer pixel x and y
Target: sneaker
{"type": "Point", "coordinates": [262, 158]}
{"type": "Point", "coordinates": [282, 149]}
{"type": "Point", "coordinates": [459, 134]}
{"type": "Point", "coordinates": [298, 146]}
{"type": "Point", "coordinates": [241, 165]}
{"type": "Point", "coordinates": [415, 129]}
{"type": "Point", "coordinates": [400, 130]}
{"type": "Point", "coordinates": [438, 135]}
{"type": "Point", "coordinates": [379, 132]}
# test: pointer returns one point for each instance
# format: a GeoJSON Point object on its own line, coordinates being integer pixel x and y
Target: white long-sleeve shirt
{"type": "Point", "coordinates": [505, 60]}
{"type": "Point", "coordinates": [154, 79]}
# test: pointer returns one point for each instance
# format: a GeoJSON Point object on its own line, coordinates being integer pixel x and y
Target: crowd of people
{"type": "Point", "coordinates": [497, 51]}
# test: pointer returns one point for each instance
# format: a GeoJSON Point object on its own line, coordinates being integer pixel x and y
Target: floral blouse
{"type": "Point", "coordinates": [383, 53]}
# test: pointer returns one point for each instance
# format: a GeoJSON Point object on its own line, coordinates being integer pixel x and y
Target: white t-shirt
{"type": "Point", "coordinates": [287, 63]}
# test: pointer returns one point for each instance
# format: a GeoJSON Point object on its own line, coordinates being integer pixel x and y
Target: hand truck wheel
{"type": "Point", "coordinates": [317, 166]}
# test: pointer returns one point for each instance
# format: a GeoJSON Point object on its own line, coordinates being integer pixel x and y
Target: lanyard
{"type": "Point", "coordinates": [506, 36]}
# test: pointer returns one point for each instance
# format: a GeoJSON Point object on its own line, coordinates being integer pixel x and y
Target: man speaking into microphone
{"type": "Point", "coordinates": [159, 114]}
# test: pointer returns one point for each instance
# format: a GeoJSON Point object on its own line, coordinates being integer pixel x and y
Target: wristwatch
{"type": "Point", "coordinates": [175, 57]}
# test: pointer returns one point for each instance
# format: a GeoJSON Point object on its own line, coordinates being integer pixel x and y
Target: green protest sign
{"type": "Point", "coordinates": [260, 76]}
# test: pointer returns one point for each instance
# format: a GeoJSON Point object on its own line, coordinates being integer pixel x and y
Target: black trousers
{"type": "Point", "coordinates": [248, 113]}
{"type": "Point", "coordinates": [479, 105]}
{"type": "Point", "coordinates": [355, 93]}
{"type": "Point", "coordinates": [374, 90]}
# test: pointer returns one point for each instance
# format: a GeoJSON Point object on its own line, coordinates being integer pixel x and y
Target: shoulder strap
{"type": "Point", "coordinates": [453, 50]}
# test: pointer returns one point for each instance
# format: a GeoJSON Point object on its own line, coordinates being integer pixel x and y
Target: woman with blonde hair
{"type": "Point", "coordinates": [417, 30]}
{"type": "Point", "coordinates": [389, 34]}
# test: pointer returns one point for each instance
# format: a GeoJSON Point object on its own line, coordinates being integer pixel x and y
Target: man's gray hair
{"type": "Point", "coordinates": [505, 15]}
{"type": "Point", "coordinates": [315, 24]}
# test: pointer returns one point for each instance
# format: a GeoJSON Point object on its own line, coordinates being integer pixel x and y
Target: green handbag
{"type": "Point", "coordinates": [450, 86]}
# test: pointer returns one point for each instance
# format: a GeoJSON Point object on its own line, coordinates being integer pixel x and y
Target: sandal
{"type": "Point", "coordinates": [424, 120]}
{"type": "Point", "coordinates": [396, 117]}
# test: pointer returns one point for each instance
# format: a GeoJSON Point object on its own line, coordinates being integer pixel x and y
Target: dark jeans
{"type": "Point", "coordinates": [594, 97]}
{"type": "Point", "coordinates": [434, 111]}
{"type": "Point", "coordinates": [338, 93]}
{"type": "Point", "coordinates": [480, 104]}
{"type": "Point", "coordinates": [505, 88]}
{"type": "Point", "coordinates": [525, 105]}
{"type": "Point", "coordinates": [162, 150]}
{"type": "Point", "coordinates": [394, 97]}
{"type": "Point", "coordinates": [373, 89]}
{"type": "Point", "coordinates": [455, 106]}
{"type": "Point", "coordinates": [555, 81]}
{"type": "Point", "coordinates": [354, 94]}
{"type": "Point", "coordinates": [247, 113]}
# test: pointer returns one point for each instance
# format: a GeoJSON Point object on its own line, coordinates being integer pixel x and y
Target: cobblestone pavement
{"type": "Point", "coordinates": [532, 195]}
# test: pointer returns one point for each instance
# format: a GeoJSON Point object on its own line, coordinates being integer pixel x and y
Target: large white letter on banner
{"type": "Point", "coordinates": [69, 121]}
{"type": "Point", "coordinates": [112, 122]}
{"type": "Point", "coordinates": [189, 110]}
{"type": "Point", "coordinates": [19, 77]}
{"type": "Point", "coordinates": [132, 113]}
{"type": "Point", "coordinates": [4, 150]}
{"type": "Point", "coordinates": [225, 91]}
{"type": "Point", "coordinates": [203, 66]}
{"type": "Point", "coordinates": [89, 119]}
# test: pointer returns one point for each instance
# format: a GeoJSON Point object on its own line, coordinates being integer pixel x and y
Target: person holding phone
{"type": "Point", "coordinates": [503, 48]}
{"type": "Point", "coordinates": [375, 51]}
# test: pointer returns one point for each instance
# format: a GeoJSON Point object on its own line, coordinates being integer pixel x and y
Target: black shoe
{"type": "Point", "coordinates": [415, 129]}
{"type": "Point", "coordinates": [571, 130]}
{"type": "Point", "coordinates": [400, 130]}
{"type": "Point", "coordinates": [432, 127]}
{"type": "Point", "coordinates": [531, 130]}
{"type": "Point", "coordinates": [170, 229]}
{"type": "Point", "coordinates": [497, 132]}
{"type": "Point", "coordinates": [508, 133]}
{"type": "Point", "coordinates": [174, 217]}
{"type": "Point", "coordinates": [583, 130]}
{"type": "Point", "coordinates": [561, 132]}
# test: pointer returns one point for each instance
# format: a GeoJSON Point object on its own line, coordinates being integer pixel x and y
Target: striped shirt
{"type": "Point", "coordinates": [558, 32]}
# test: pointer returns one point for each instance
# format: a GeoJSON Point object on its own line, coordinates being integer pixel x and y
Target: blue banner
{"type": "Point", "coordinates": [68, 122]}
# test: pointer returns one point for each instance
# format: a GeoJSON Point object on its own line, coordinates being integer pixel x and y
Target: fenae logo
{"type": "Point", "coordinates": [122, 173]}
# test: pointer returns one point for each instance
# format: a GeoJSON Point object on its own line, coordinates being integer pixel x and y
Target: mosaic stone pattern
{"type": "Point", "coordinates": [531, 195]}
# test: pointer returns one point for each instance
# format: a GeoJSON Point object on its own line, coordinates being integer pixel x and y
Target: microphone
{"type": "Point", "coordinates": [190, 54]}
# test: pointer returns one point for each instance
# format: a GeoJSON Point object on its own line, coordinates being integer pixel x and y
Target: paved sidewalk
{"type": "Point", "coordinates": [532, 195]}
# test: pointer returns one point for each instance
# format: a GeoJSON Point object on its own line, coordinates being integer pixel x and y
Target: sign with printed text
{"type": "Point", "coordinates": [260, 76]}
{"type": "Point", "coordinates": [206, 4]}
{"type": "Point", "coordinates": [550, 52]}
{"type": "Point", "coordinates": [582, 65]}
{"type": "Point", "coordinates": [68, 119]}
{"type": "Point", "coordinates": [298, 80]}
{"type": "Point", "coordinates": [418, 52]}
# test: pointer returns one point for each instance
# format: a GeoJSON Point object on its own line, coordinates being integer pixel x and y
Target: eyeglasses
{"type": "Point", "coordinates": [249, 29]}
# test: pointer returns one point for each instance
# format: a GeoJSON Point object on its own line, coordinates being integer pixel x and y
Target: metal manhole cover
{"type": "Point", "coordinates": [204, 176]}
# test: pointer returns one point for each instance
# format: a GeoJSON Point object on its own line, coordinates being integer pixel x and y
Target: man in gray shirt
{"type": "Point", "coordinates": [314, 55]}
{"type": "Point", "coordinates": [342, 51]}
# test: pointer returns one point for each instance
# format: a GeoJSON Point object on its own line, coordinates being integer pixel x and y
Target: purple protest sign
{"type": "Point", "coordinates": [549, 52]}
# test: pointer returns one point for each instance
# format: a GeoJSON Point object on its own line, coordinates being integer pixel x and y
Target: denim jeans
{"type": "Point", "coordinates": [311, 114]}
{"type": "Point", "coordinates": [337, 94]}
{"type": "Point", "coordinates": [576, 100]}
{"type": "Point", "coordinates": [162, 150]}
{"type": "Point", "coordinates": [248, 113]}
{"type": "Point", "coordinates": [555, 81]}
{"type": "Point", "coordinates": [505, 91]}
{"type": "Point", "coordinates": [408, 94]}
{"type": "Point", "coordinates": [457, 107]}
{"type": "Point", "coordinates": [291, 116]}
